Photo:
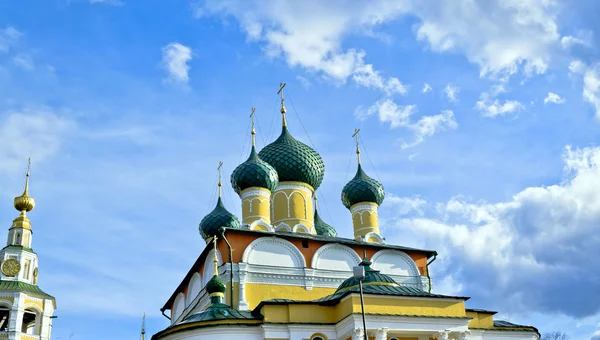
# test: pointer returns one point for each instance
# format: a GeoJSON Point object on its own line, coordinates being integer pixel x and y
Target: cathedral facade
{"type": "Point", "coordinates": [282, 272]}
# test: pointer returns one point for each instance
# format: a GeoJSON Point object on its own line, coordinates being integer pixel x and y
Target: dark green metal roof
{"type": "Point", "coordinates": [294, 160]}
{"type": "Point", "coordinates": [372, 278]}
{"type": "Point", "coordinates": [220, 311]}
{"type": "Point", "coordinates": [9, 247]}
{"type": "Point", "coordinates": [254, 172]}
{"type": "Point", "coordinates": [219, 217]}
{"type": "Point", "coordinates": [215, 285]}
{"type": "Point", "coordinates": [362, 188]}
{"type": "Point", "coordinates": [322, 228]}
{"type": "Point", "coordinates": [25, 288]}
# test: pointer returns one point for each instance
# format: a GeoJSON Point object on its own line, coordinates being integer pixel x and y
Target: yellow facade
{"type": "Point", "coordinates": [365, 219]}
{"type": "Point", "coordinates": [292, 205]}
{"type": "Point", "coordinates": [256, 206]}
{"type": "Point", "coordinates": [480, 320]}
{"type": "Point", "coordinates": [257, 292]}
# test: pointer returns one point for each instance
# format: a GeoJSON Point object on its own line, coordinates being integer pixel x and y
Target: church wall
{"type": "Point", "coordinates": [481, 320]}
{"type": "Point", "coordinates": [257, 292]}
{"type": "Point", "coordinates": [408, 306]}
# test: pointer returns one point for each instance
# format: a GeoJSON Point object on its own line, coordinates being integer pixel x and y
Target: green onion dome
{"type": "Point", "coordinates": [219, 217]}
{"type": "Point", "coordinates": [294, 160]}
{"type": "Point", "coordinates": [362, 188]}
{"type": "Point", "coordinates": [215, 285]}
{"type": "Point", "coordinates": [323, 228]}
{"type": "Point", "coordinates": [372, 278]}
{"type": "Point", "coordinates": [254, 172]}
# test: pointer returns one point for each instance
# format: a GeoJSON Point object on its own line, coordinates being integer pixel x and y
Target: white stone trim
{"type": "Point", "coordinates": [301, 226]}
{"type": "Point", "coordinates": [262, 223]}
{"type": "Point", "coordinates": [409, 261]}
{"type": "Point", "coordinates": [300, 261]}
{"type": "Point", "coordinates": [283, 227]}
{"type": "Point", "coordinates": [375, 235]}
{"type": "Point", "coordinates": [317, 255]}
{"type": "Point", "coordinates": [255, 192]}
{"type": "Point", "coordinates": [295, 187]}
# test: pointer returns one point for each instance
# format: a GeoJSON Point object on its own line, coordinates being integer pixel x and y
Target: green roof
{"type": "Point", "coordinates": [215, 285]}
{"type": "Point", "coordinates": [219, 217]}
{"type": "Point", "coordinates": [10, 247]}
{"type": "Point", "coordinates": [322, 228]}
{"type": "Point", "coordinates": [25, 288]}
{"type": "Point", "coordinates": [254, 172]}
{"type": "Point", "coordinates": [294, 160]}
{"type": "Point", "coordinates": [372, 278]}
{"type": "Point", "coordinates": [219, 311]}
{"type": "Point", "coordinates": [362, 188]}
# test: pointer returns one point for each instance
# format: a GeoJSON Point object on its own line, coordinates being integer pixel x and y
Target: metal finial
{"type": "Point", "coordinates": [215, 260]}
{"type": "Point", "coordinates": [219, 170]}
{"type": "Point", "coordinates": [143, 335]}
{"type": "Point", "coordinates": [252, 132]}
{"type": "Point", "coordinates": [281, 86]}
{"type": "Point", "coordinates": [27, 174]}
{"type": "Point", "coordinates": [355, 135]}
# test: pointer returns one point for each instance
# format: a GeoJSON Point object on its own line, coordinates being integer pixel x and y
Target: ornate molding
{"type": "Point", "coordinates": [402, 255]}
{"type": "Point", "coordinates": [330, 247]}
{"type": "Point", "coordinates": [300, 261]}
{"type": "Point", "coordinates": [255, 192]}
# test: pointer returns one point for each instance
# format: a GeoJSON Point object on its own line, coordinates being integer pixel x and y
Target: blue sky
{"type": "Point", "coordinates": [479, 117]}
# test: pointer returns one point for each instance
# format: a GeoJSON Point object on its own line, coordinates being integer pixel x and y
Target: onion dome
{"type": "Point", "coordinates": [219, 217]}
{"type": "Point", "coordinates": [24, 203]}
{"type": "Point", "coordinates": [322, 228]}
{"type": "Point", "coordinates": [254, 172]}
{"type": "Point", "coordinates": [362, 188]}
{"type": "Point", "coordinates": [216, 285]}
{"type": "Point", "coordinates": [294, 160]}
{"type": "Point", "coordinates": [372, 278]}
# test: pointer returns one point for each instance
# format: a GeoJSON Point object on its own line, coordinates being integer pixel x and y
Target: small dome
{"type": "Point", "coordinates": [294, 160]}
{"type": "Point", "coordinates": [372, 278]}
{"type": "Point", "coordinates": [24, 203]}
{"type": "Point", "coordinates": [362, 188]}
{"type": "Point", "coordinates": [323, 228]}
{"type": "Point", "coordinates": [219, 217]}
{"type": "Point", "coordinates": [254, 172]}
{"type": "Point", "coordinates": [215, 285]}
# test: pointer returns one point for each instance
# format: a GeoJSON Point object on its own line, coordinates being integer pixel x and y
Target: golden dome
{"type": "Point", "coordinates": [24, 202]}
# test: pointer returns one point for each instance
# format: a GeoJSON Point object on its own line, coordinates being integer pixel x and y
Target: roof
{"type": "Point", "coordinates": [25, 288]}
{"type": "Point", "coordinates": [287, 235]}
{"type": "Point", "coordinates": [502, 323]}
{"type": "Point", "coordinates": [375, 290]}
{"type": "Point", "coordinates": [481, 311]}
{"type": "Point", "coordinates": [254, 172]}
{"type": "Point", "coordinates": [362, 188]}
{"type": "Point", "coordinates": [217, 218]}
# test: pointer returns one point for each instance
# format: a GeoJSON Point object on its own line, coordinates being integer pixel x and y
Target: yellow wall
{"type": "Point", "coordinates": [480, 320]}
{"type": "Point", "coordinates": [365, 220]}
{"type": "Point", "coordinates": [37, 303]}
{"type": "Point", "coordinates": [256, 206]}
{"type": "Point", "coordinates": [256, 292]}
{"type": "Point", "coordinates": [293, 205]}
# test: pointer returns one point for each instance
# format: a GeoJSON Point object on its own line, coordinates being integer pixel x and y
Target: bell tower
{"type": "Point", "coordinates": [25, 310]}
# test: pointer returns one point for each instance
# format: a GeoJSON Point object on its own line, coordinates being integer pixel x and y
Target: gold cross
{"type": "Point", "coordinates": [219, 170]}
{"type": "Point", "coordinates": [252, 118]}
{"type": "Point", "coordinates": [28, 166]}
{"type": "Point", "coordinates": [355, 135]}
{"type": "Point", "coordinates": [281, 86]}
{"type": "Point", "coordinates": [216, 261]}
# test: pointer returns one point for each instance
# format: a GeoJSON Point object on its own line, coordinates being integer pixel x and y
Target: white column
{"type": "Point", "coordinates": [46, 320]}
{"type": "Point", "coordinates": [381, 334]}
{"type": "Point", "coordinates": [242, 272]}
{"type": "Point", "coordinates": [358, 334]}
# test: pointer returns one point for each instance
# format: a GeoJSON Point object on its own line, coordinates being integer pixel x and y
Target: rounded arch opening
{"type": "Point", "coordinates": [272, 251]}
{"type": "Point", "coordinates": [194, 288]}
{"type": "Point", "coordinates": [335, 256]}
{"type": "Point", "coordinates": [5, 310]}
{"type": "Point", "coordinates": [178, 307]}
{"type": "Point", "coordinates": [31, 323]}
{"type": "Point", "coordinates": [395, 262]}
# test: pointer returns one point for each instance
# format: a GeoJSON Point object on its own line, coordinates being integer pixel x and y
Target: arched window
{"type": "Point", "coordinates": [318, 336]}
{"type": "Point", "coordinates": [18, 239]}
{"type": "Point", "coordinates": [31, 324]}
{"type": "Point", "coordinates": [4, 318]}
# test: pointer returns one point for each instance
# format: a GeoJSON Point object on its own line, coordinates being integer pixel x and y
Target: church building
{"type": "Point", "coordinates": [25, 310]}
{"type": "Point", "coordinates": [282, 272]}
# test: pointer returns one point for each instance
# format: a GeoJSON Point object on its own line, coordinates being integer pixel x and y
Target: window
{"type": "Point", "coordinates": [318, 337]}
{"type": "Point", "coordinates": [18, 239]}
{"type": "Point", "coordinates": [4, 318]}
{"type": "Point", "coordinates": [30, 318]}
{"type": "Point", "coordinates": [26, 269]}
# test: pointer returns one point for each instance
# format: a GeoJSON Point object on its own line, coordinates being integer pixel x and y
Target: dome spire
{"type": "Point", "coordinates": [283, 111]}
{"type": "Point", "coordinates": [215, 259]}
{"type": "Point", "coordinates": [24, 203]}
{"type": "Point", "coordinates": [220, 184]}
{"type": "Point", "coordinates": [355, 135]}
{"type": "Point", "coordinates": [253, 132]}
{"type": "Point", "coordinates": [215, 287]}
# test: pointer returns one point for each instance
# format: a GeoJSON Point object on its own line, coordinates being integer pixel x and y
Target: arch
{"type": "Point", "coordinates": [209, 266]}
{"type": "Point", "coordinates": [394, 262]}
{"type": "Point", "coordinates": [178, 307]}
{"type": "Point", "coordinates": [281, 201]}
{"type": "Point", "coordinates": [318, 336]}
{"type": "Point", "coordinates": [194, 288]}
{"type": "Point", "coordinates": [5, 310]}
{"type": "Point", "coordinates": [31, 323]}
{"type": "Point", "coordinates": [373, 237]}
{"type": "Point", "coordinates": [301, 228]}
{"type": "Point", "coordinates": [335, 256]}
{"type": "Point", "coordinates": [272, 251]}
{"type": "Point", "coordinates": [293, 198]}
{"type": "Point", "coordinates": [261, 225]}
{"type": "Point", "coordinates": [284, 227]}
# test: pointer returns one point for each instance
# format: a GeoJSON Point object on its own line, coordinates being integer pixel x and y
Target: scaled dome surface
{"type": "Point", "coordinates": [219, 217]}
{"type": "Point", "coordinates": [254, 172]}
{"type": "Point", "coordinates": [362, 188]}
{"type": "Point", "coordinates": [322, 228]}
{"type": "Point", "coordinates": [372, 278]}
{"type": "Point", "coordinates": [294, 160]}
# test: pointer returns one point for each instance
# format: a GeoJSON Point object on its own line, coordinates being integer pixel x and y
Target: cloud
{"type": "Point", "coordinates": [24, 61]}
{"type": "Point", "coordinates": [591, 87]}
{"type": "Point", "coordinates": [519, 247]}
{"type": "Point", "coordinates": [577, 66]}
{"type": "Point", "coordinates": [8, 37]}
{"type": "Point", "coordinates": [584, 38]}
{"type": "Point", "coordinates": [399, 116]}
{"type": "Point", "coordinates": [175, 57]}
{"type": "Point", "coordinates": [304, 82]}
{"type": "Point", "coordinates": [37, 133]}
{"type": "Point", "coordinates": [553, 98]}
{"type": "Point", "coordinates": [499, 36]}
{"type": "Point", "coordinates": [426, 88]}
{"type": "Point", "coordinates": [490, 107]}
{"type": "Point", "coordinates": [451, 93]}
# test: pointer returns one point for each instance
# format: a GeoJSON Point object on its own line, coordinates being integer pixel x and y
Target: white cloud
{"type": "Point", "coordinates": [8, 37]}
{"type": "Point", "coordinates": [490, 107]}
{"type": "Point", "coordinates": [451, 93]}
{"type": "Point", "coordinates": [591, 87]}
{"type": "Point", "coordinates": [175, 57]}
{"type": "Point", "coordinates": [399, 116]}
{"type": "Point", "coordinates": [304, 82]}
{"type": "Point", "coordinates": [583, 38]}
{"type": "Point", "coordinates": [35, 133]}
{"type": "Point", "coordinates": [577, 66]}
{"type": "Point", "coordinates": [553, 98]}
{"type": "Point", "coordinates": [24, 61]}
{"type": "Point", "coordinates": [426, 88]}
{"type": "Point", "coordinates": [523, 244]}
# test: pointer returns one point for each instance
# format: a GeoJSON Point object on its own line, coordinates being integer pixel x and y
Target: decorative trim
{"type": "Point", "coordinates": [285, 243]}
{"type": "Point", "coordinates": [209, 260]}
{"type": "Point", "coordinates": [295, 186]}
{"type": "Point", "coordinates": [375, 235]}
{"type": "Point", "coordinates": [255, 191]}
{"type": "Point", "coordinates": [333, 246]}
{"type": "Point", "coordinates": [301, 226]}
{"type": "Point", "coordinates": [363, 207]}
{"type": "Point", "coordinates": [262, 223]}
{"type": "Point", "coordinates": [198, 279]}
{"type": "Point", "coordinates": [407, 259]}
{"type": "Point", "coordinates": [283, 227]}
